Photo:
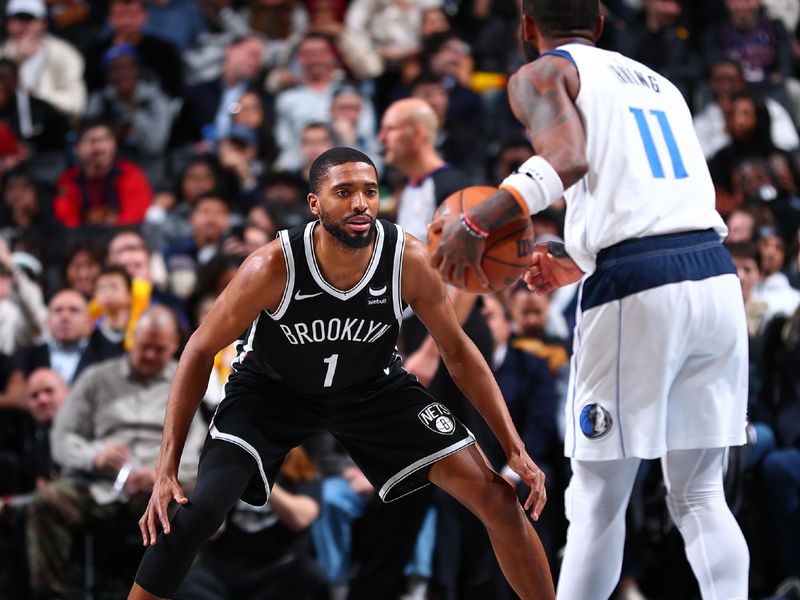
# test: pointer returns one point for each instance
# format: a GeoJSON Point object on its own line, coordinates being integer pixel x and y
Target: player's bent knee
{"type": "Point", "coordinates": [198, 521]}
{"type": "Point", "coordinates": [498, 505]}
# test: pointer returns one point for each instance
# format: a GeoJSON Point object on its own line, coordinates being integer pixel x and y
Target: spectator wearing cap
{"type": "Point", "coordinates": [138, 110]}
{"type": "Point", "coordinates": [126, 20]}
{"type": "Point", "coordinates": [49, 68]}
{"type": "Point", "coordinates": [102, 189]}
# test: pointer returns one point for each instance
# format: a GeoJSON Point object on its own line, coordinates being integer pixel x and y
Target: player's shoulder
{"type": "Point", "coordinates": [266, 262]}
{"type": "Point", "coordinates": [544, 73]}
{"type": "Point", "coordinates": [415, 252]}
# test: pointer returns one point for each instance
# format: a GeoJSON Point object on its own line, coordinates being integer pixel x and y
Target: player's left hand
{"type": "Point", "coordinates": [548, 271]}
{"type": "Point", "coordinates": [457, 252]}
{"type": "Point", "coordinates": [523, 465]}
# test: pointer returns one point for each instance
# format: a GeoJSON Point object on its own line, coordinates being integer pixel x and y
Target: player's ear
{"type": "Point", "coordinates": [599, 26]}
{"type": "Point", "coordinates": [530, 32]}
{"type": "Point", "coordinates": [313, 204]}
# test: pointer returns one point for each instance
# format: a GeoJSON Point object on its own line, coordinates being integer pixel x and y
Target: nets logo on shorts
{"type": "Point", "coordinates": [595, 421]}
{"type": "Point", "coordinates": [437, 418]}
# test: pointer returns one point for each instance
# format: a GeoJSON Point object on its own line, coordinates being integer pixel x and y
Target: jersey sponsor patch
{"type": "Point", "coordinates": [437, 418]}
{"type": "Point", "coordinates": [378, 291]}
{"type": "Point", "coordinates": [595, 421]}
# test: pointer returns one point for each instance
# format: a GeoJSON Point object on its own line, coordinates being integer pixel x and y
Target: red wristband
{"type": "Point", "coordinates": [471, 224]}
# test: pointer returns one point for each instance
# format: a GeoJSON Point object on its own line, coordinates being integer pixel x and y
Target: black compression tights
{"type": "Point", "coordinates": [224, 473]}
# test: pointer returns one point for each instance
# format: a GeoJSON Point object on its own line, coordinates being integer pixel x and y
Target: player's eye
{"type": "Point", "coordinates": [342, 193]}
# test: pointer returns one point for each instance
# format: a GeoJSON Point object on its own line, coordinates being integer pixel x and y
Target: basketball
{"type": "Point", "coordinates": [507, 253]}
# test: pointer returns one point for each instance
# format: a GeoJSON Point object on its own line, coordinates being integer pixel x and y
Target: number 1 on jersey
{"type": "Point", "coordinates": [650, 146]}
{"type": "Point", "coordinates": [331, 362]}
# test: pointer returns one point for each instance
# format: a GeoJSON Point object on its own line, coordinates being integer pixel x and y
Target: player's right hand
{"type": "Point", "coordinates": [531, 474]}
{"type": "Point", "coordinates": [457, 252]}
{"type": "Point", "coordinates": [166, 488]}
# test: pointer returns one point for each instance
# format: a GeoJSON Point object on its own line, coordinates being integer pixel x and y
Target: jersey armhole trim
{"type": "Point", "coordinates": [561, 53]}
{"type": "Point", "coordinates": [288, 259]}
{"type": "Point", "coordinates": [397, 273]}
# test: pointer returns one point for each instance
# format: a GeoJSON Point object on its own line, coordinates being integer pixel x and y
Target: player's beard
{"type": "Point", "coordinates": [354, 242]}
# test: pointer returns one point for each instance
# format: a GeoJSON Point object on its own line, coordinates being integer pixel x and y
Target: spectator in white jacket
{"type": "Point", "coordinates": [49, 67]}
{"type": "Point", "coordinates": [22, 309]}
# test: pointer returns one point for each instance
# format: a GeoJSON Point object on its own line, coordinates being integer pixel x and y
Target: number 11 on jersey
{"type": "Point", "coordinates": [331, 362]}
{"type": "Point", "coordinates": [650, 147]}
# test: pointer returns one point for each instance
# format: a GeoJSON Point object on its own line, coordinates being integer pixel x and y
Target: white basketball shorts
{"type": "Point", "coordinates": [660, 358]}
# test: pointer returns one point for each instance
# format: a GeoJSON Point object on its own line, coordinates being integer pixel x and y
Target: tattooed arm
{"type": "Point", "coordinates": [542, 95]}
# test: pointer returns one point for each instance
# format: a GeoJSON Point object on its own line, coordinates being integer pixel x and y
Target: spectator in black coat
{"type": "Point", "coordinates": [70, 345]}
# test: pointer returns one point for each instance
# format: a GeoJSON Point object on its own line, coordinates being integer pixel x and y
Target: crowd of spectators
{"type": "Point", "coordinates": [148, 146]}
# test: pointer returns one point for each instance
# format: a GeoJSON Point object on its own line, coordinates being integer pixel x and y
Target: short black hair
{"type": "Point", "coordinates": [427, 78]}
{"type": "Point", "coordinates": [745, 251]}
{"type": "Point", "coordinates": [332, 158]}
{"type": "Point", "coordinates": [212, 196]}
{"type": "Point", "coordinates": [557, 18]}
{"type": "Point", "coordinates": [119, 271]}
{"type": "Point", "coordinates": [90, 124]}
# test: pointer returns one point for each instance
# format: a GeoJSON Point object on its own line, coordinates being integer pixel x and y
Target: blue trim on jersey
{"type": "Point", "coordinates": [561, 53]}
{"type": "Point", "coordinates": [641, 264]}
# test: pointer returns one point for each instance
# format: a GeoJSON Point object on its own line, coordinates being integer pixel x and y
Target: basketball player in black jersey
{"type": "Point", "coordinates": [322, 306]}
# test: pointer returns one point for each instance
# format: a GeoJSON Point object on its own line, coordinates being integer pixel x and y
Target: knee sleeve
{"type": "Point", "coordinates": [223, 476]}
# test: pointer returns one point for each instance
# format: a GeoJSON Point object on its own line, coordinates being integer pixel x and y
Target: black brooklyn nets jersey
{"type": "Point", "coordinates": [320, 339]}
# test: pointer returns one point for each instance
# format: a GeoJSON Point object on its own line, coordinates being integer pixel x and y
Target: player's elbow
{"type": "Point", "coordinates": [573, 168]}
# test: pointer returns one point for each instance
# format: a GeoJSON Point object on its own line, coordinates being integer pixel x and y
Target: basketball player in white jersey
{"type": "Point", "coordinates": [659, 368]}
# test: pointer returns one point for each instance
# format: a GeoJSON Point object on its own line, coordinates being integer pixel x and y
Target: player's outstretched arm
{"type": "Point", "coordinates": [258, 285]}
{"type": "Point", "coordinates": [424, 290]}
{"type": "Point", "coordinates": [542, 95]}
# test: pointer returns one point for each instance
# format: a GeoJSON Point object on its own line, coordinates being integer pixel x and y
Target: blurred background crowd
{"type": "Point", "coordinates": [147, 147]}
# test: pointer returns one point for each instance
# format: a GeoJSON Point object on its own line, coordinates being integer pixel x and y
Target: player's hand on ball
{"type": "Point", "coordinates": [457, 252]}
{"type": "Point", "coordinates": [548, 271]}
{"type": "Point", "coordinates": [166, 488]}
{"type": "Point", "coordinates": [524, 466]}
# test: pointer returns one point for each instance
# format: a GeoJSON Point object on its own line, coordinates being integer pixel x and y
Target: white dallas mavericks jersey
{"type": "Point", "coordinates": [647, 174]}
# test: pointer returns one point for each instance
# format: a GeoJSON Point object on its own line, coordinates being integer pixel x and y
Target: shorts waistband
{"type": "Point", "coordinates": [670, 243]}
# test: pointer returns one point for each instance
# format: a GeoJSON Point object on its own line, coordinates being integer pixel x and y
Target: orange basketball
{"type": "Point", "coordinates": [507, 253]}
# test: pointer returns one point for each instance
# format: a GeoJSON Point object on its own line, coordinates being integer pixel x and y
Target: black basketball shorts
{"type": "Point", "coordinates": [394, 435]}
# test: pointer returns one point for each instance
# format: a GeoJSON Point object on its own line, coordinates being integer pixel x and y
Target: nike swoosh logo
{"type": "Point", "coordinates": [299, 296]}
{"type": "Point", "coordinates": [379, 292]}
